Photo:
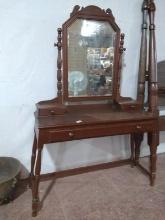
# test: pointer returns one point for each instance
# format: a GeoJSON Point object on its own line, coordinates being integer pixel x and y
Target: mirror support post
{"type": "Point", "coordinates": [152, 84]}
{"type": "Point", "coordinates": [59, 63]}
{"type": "Point", "coordinates": [143, 56]}
{"type": "Point", "coordinates": [121, 50]}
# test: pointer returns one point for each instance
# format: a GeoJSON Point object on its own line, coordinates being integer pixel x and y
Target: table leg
{"type": "Point", "coordinates": [35, 185]}
{"type": "Point", "coordinates": [33, 159]}
{"type": "Point", "coordinates": [153, 142]}
{"type": "Point", "coordinates": [138, 138]}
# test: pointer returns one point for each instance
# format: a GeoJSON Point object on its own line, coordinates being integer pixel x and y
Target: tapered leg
{"type": "Point", "coordinates": [153, 141]}
{"type": "Point", "coordinates": [138, 138]}
{"type": "Point", "coordinates": [33, 159]}
{"type": "Point", "coordinates": [35, 185]}
{"type": "Point", "coordinates": [132, 150]}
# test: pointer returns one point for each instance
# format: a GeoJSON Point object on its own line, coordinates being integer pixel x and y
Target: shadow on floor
{"type": "Point", "coordinates": [47, 192]}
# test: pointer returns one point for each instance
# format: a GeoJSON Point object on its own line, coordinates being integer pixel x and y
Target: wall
{"type": "Point", "coordinates": [28, 75]}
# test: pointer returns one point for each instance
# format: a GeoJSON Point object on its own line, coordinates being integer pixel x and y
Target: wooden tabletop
{"type": "Point", "coordinates": [92, 117]}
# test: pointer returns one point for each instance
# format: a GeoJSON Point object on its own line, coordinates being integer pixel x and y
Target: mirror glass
{"type": "Point", "coordinates": [90, 58]}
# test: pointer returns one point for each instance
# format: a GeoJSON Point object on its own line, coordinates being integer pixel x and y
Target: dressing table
{"type": "Point", "coordinates": [88, 103]}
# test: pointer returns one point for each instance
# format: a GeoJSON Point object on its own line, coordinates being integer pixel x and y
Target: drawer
{"type": "Point", "coordinates": [91, 131]}
{"type": "Point", "coordinates": [61, 135]}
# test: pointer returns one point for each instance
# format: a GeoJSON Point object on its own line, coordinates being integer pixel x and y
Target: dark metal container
{"type": "Point", "coordinates": [9, 173]}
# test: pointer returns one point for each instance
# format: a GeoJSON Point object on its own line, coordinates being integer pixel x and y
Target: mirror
{"type": "Point", "coordinates": [90, 52]}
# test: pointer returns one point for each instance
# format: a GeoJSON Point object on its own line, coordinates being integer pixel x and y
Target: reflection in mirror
{"type": "Point", "coordinates": [90, 58]}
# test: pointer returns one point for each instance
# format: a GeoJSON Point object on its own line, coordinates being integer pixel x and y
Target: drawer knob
{"type": "Point", "coordinates": [52, 112]}
{"type": "Point", "coordinates": [138, 126]}
{"type": "Point", "coordinates": [71, 134]}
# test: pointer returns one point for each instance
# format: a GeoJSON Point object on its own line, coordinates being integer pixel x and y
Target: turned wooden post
{"type": "Point", "coordinates": [59, 64]}
{"type": "Point", "coordinates": [35, 187]}
{"type": "Point", "coordinates": [143, 56]}
{"type": "Point", "coordinates": [153, 138]}
{"type": "Point", "coordinates": [153, 142]}
{"type": "Point", "coordinates": [152, 62]}
{"type": "Point", "coordinates": [121, 50]}
{"type": "Point", "coordinates": [33, 160]}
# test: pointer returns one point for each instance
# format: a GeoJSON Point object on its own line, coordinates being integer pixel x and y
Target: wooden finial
{"type": "Point", "coordinates": [75, 10]}
{"type": "Point", "coordinates": [121, 48]}
{"type": "Point", "coordinates": [58, 44]}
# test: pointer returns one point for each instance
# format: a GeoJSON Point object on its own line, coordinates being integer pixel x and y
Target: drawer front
{"type": "Point", "coordinates": [56, 135]}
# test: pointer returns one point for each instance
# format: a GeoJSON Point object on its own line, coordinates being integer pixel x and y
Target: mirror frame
{"type": "Point", "coordinates": [97, 14]}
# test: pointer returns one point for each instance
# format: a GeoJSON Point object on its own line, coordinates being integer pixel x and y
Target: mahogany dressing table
{"type": "Point", "coordinates": [88, 102]}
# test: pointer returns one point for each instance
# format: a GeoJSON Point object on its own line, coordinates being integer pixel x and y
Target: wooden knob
{"type": "Point", "coordinates": [71, 134]}
{"type": "Point", "coordinates": [52, 112]}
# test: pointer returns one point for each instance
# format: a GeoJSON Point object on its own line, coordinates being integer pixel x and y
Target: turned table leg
{"type": "Point", "coordinates": [138, 138]}
{"type": "Point", "coordinates": [33, 159]}
{"type": "Point", "coordinates": [153, 142]}
{"type": "Point", "coordinates": [35, 185]}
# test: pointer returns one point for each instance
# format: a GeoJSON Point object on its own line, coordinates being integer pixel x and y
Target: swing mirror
{"type": "Point", "coordinates": [90, 51]}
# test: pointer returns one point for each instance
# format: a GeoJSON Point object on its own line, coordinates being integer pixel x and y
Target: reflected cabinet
{"type": "Point", "coordinates": [88, 102]}
{"type": "Point", "coordinates": [90, 52]}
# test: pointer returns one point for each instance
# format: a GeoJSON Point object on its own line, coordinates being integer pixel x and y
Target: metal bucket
{"type": "Point", "coordinates": [9, 173]}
